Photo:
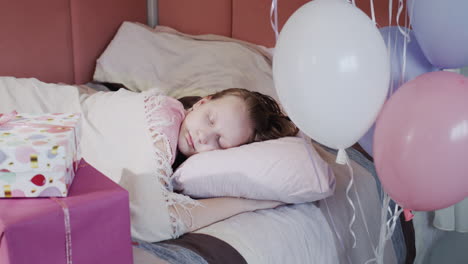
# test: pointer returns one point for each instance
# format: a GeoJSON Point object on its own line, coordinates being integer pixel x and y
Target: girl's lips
{"type": "Point", "coordinates": [190, 141]}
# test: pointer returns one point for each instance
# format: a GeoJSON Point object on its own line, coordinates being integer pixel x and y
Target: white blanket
{"type": "Point", "coordinates": [33, 96]}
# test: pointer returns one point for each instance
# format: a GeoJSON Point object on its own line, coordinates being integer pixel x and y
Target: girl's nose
{"type": "Point", "coordinates": [202, 136]}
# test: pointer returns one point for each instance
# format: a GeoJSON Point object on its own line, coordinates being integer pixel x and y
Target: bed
{"type": "Point", "coordinates": [61, 43]}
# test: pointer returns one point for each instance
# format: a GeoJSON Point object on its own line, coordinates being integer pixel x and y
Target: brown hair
{"type": "Point", "coordinates": [268, 120]}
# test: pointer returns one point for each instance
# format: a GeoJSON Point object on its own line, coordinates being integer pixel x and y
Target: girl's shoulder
{"type": "Point", "coordinates": [164, 116]}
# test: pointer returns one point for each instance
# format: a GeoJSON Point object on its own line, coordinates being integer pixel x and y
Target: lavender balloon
{"type": "Point", "coordinates": [441, 28]}
{"type": "Point", "coordinates": [416, 64]}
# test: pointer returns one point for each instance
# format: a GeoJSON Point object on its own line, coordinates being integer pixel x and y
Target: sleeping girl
{"type": "Point", "coordinates": [134, 139]}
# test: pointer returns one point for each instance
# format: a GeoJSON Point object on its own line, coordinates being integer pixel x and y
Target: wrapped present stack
{"type": "Point", "coordinates": [38, 154]}
{"type": "Point", "coordinates": [91, 225]}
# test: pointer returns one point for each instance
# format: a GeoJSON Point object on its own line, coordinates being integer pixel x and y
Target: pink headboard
{"type": "Point", "coordinates": [60, 40]}
{"type": "Point", "coordinates": [247, 20]}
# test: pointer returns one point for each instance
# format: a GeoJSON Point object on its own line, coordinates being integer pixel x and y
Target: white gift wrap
{"type": "Point", "coordinates": [38, 154]}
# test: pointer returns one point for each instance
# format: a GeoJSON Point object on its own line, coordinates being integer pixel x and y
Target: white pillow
{"type": "Point", "coordinates": [286, 169]}
{"type": "Point", "coordinates": [142, 58]}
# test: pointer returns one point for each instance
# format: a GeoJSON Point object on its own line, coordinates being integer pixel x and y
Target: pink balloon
{"type": "Point", "coordinates": [421, 142]}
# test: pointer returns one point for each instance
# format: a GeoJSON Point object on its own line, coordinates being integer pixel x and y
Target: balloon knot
{"type": "Point", "coordinates": [408, 214]}
{"type": "Point", "coordinates": [342, 157]}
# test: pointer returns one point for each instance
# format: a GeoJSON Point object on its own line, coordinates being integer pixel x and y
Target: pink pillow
{"type": "Point", "coordinates": [286, 169]}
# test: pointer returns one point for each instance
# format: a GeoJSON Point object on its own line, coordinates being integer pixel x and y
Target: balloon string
{"type": "Point", "coordinates": [336, 231]}
{"type": "Point", "coordinates": [391, 47]}
{"type": "Point", "coordinates": [361, 210]}
{"type": "Point", "coordinates": [373, 12]}
{"type": "Point", "coordinates": [274, 17]}
{"type": "Point", "coordinates": [400, 10]}
{"type": "Point", "coordinates": [276, 20]}
{"type": "Point", "coordinates": [383, 217]}
{"type": "Point", "coordinates": [390, 12]}
{"type": "Point", "coordinates": [410, 9]}
{"type": "Point", "coordinates": [387, 228]}
{"type": "Point", "coordinates": [406, 39]}
{"type": "Point", "coordinates": [348, 197]}
{"type": "Point", "coordinates": [370, 260]}
{"type": "Point", "coordinates": [307, 142]}
{"type": "Point", "coordinates": [391, 223]}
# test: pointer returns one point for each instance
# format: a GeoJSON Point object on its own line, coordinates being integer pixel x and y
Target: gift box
{"type": "Point", "coordinates": [91, 225]}
{"type": "Point", "coordinates": [38, 154]}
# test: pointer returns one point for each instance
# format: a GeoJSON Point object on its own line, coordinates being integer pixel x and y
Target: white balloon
{"type": "Point", "coordinates": [331, 70]}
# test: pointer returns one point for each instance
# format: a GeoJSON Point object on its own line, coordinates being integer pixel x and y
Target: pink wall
{"type": "Point", "coordinates": [57, 40]}
{"type": "Point", "coordinates": [245, 19]}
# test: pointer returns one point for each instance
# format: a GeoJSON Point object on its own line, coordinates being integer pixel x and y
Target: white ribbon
{"type": "Point", "coordinates": [387, 228]}
{"type": "Point", "coordinates": [66, 219]}
{"type": "Point", "coordinates": [336, 231]}
{"type": "Point", "coordinates": [373, 11]}
{"type": "Point", "coordinates": [342, 158]}
{"type": "Point", "coordinates": [391, 46]}
{"type": "Point", "coordinates": [343, 153]}
{"type": "Point", "coordinates": [274, 17]}
{"type": "Point", "coordinates": [405, 33]}
{"type": "Point", "coordinates": [390, 12]}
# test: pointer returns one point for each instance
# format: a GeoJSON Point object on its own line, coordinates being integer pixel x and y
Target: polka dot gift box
{"type": "Point", "coordinates": [38, 154]}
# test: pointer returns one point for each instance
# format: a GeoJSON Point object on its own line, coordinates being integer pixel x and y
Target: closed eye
{"type": "Point", "coordinates": [219, 143]}
{"type": "Point", "coordinates": [210, 120]}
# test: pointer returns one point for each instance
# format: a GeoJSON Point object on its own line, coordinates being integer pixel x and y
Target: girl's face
{"type": "Point", "coordinates": [215, 124]}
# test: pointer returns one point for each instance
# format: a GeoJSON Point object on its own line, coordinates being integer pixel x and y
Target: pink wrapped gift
{"type": "Point", "coordinates": [91, 225]}
{"type": "Point", "coordinates": [38, 153]}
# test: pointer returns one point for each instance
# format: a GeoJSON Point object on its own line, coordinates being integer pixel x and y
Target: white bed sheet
{"type": "Point", "coordinates": [304, 233]}
{"type": "Point", "coordinates": [287, 234]}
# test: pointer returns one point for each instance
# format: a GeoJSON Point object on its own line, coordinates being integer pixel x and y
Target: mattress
{"type": "Point", "coordinates": [288, 234]}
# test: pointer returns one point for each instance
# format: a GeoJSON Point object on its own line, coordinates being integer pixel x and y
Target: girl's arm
{"type": "Point", "coordinates": [213, 210]}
